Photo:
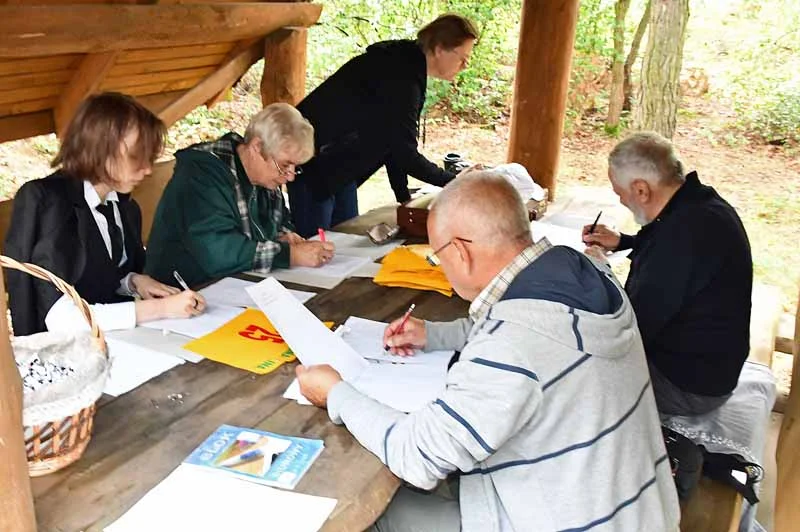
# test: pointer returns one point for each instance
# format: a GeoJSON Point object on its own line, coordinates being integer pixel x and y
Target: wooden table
{"type": "Point", "coordinates": [141, 436]}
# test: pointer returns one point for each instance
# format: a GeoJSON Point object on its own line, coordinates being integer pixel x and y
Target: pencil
{"type": "Point", "coordinates": [402, 323]}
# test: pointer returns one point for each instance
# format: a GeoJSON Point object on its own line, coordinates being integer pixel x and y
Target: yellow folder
{"type": "Point", "coordinates": [406, 267]}
{"type": "Point", "coordinates": [249, 341]}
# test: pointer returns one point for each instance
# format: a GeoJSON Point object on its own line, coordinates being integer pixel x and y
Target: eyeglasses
{"type": "Point", "coordinates": [286, 172]}
{"type": "Point", "coordinates": [433, 258]}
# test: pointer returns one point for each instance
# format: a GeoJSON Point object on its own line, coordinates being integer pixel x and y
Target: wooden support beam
{"type": "Point", "coordinates": [242, 45]}
{"type": "Point", "coordinates": [35, 30]}
{"type": "Point", "coordinates": [239, 60]}
{"type": "Point", "coordinates": [284, 78]}
{"type": "Point", "coordinates": [25, 125]}
{"type": "Point", "coordinates": [16, 503]}
{"type": "Point", "coordinates": [547, 33]}
{"type": "Point", "coordinates": [86, 81]}
{"type": "Point", "coordinates": [787, 491]}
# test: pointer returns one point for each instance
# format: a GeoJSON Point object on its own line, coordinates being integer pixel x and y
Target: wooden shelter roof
{"type": "Point", "coordinates": [173, 55]}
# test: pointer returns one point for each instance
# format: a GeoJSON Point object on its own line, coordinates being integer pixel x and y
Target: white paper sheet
{"type": "Point", "coordinates": [359, 245]}
{"type": "Point", "coordinates": [133, 365]}
{"type": "Point", "coordinates": [212, 319]}
{"type": "Point", "coordinates": [366, 337]}
{"type": "Point", "coordinates": [293, 393]}
{"type": "Point", "coordinates": [340, 266]}
{"type": "Point", "coordinates": [160, 341]}
{"type": "Point", "coordinates": [328, 276]}
{"type": "Point", "coordinates": [311, 341]}
{"type": "Point", "coordinates": [565, 236]}
{"type": "Point", "coordinates": [205, 501]}
{"type": "Point", "coordinates": [230, 291]}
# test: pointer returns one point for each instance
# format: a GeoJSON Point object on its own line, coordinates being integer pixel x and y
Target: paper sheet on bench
{"type": "Point", "coordinates": [565, 236]}
{"type": "Point", "coordinates": [231, 291]}
{"type": "Point", "coordinates": [359, 245]}
{"type": "Point", "coordinates": [406, 387]}
{"type": "Point", "coordinates": [132, 365]}
{"type": "Point", "coordinates": [193, 499]}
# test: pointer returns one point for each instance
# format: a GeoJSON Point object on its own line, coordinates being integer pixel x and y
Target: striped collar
{"type": "Point", "coordinates": [492, 293]}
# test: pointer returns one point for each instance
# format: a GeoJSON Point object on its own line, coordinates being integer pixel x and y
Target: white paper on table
{"type": "Point", "coordinates": [359, 245]}
{"type": "Point", "coordinates": [327, 276]}
{"type": "Point", "coordinates": [230, 291]}
{"type": "Point", "coordinates": [564, 236]}
{"type": "Point", "coordinates": [133, 365]}
{"type": "Point", "coordinates": [214, 317]}
{"type": "Point", "coordinates": [369, 270]}
{"type": "Point", "coordinates": [366, 337]}
{"type": "Point", "coordinates": [340, 266]}
{"type": "Point", "coordinates": [157, 340]}
{"type": "Point", "coordinates": [293, 393]}
{"type": "Point", "coordinates": [404, 387]}
{"type": "Point", "coordinates": [191, 498]}
{"type": "Point", "coordinates": [311, 341]}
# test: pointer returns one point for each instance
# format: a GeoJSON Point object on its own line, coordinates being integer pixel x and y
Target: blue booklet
{"type": "Point", "coordinates": [258, 456]}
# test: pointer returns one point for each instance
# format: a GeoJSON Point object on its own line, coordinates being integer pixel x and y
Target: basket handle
{"type": "Point", "coordinates": [65, 288]}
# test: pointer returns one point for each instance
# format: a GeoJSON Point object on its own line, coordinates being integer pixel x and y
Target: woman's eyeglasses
{"type": "Point", "coordinates": [286, 172]}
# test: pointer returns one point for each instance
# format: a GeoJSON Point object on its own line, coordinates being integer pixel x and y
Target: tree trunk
{"type": "Point", "coordinates": [615, 99]}
{"type": "Point", "coordinates": [627, 84]}
{"type": "Point", "coordinates": [659, 94]}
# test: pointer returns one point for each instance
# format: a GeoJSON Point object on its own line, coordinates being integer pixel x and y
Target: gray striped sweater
{"type": "Point", "coordinates": [548, 415]}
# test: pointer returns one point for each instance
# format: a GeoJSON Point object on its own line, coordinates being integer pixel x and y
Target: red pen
{"type": "Point", "coordinates": [402, 323]}
{"type": "Point", "coordinates": [321, 233]}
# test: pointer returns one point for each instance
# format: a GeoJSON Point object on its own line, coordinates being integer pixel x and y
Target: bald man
{"type": "Point", "coordinates": [548, 420]}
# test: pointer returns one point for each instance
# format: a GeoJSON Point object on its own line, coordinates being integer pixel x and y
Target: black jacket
{"type": "Point", "coordinates": [366, 115]}
{"type": "Point", "coordinates": [690, 284]}
{"type": "Point", "coordinates": [53, 227]}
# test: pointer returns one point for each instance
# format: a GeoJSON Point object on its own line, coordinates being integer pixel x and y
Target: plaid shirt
{"type": "Point", "coordinates": [268, 246]}
{"type": "Point", "coordinates": [492, 293]}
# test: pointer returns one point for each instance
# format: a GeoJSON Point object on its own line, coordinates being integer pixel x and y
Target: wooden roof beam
{"type": "Point", "coordinates": [35, 30]}
{"type": "Point", "coordinates": [85, 81]}
{"type": "Point", "coordinates": [241, 58]}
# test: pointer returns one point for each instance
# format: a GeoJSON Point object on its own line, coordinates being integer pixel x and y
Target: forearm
{"type": "Point", "coordinates": [451, 335]}
{"type": "Point", "coordinates": [65, 316]}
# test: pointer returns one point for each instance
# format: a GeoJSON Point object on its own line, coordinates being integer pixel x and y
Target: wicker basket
{"type": "Point", "coordinates": [55, 444]}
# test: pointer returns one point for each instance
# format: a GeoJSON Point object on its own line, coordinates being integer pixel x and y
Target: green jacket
{"type": "Point", "coordinates": [211, 221]}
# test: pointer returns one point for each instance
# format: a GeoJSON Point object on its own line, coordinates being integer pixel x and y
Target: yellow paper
{"type": "Point", "coordinates": [249, 341]}
{"type": "Point", "coordinates": [406, 267]}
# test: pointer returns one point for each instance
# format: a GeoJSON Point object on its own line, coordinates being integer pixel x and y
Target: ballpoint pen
{"type": "Point", "coordinates": [402, 323]}
{"type": "Point", "coordinates": [591, 229]}
{"type": "Point", "coordinates": [180, 280]}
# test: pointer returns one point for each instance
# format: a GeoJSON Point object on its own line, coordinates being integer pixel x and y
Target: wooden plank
{"type": "Point", "coordinates": [787, 491]}
{"type": "Point", "coordinates": [547, 33]}
{"type": "Point", "coordinates": [123, 82]}
{"type": "Point", "coordinates": [34, 93]}
{"type": "Point", "coordinates": [764, 317]}
{"type": "Point", "coordinates": [86, 80]}
{"type": "Point", "coordinates": [16, 504]}
{"type": "Point", "coordinates": [149, 192]}
{"type": "Point", "coordinates": [21, 127]}
{"type": "Point", "coordinates": [222, 93]}
{"type": "Point", "coordinates": [31, 65]}
{"type": "Point", "coordinates": [173, 52]}
{"type": "Point", "coordinates": [36, 79]}
{"type": "Point", "coordinates": [714, 507]}
{"type": "Point", "coordinates": [166, 65]}
{"type": "Point", "coordinates": [29, 106]}
{"type": "Point", "coordinates": [158, 88]}
{"type": "Point", "coordinates": [284, 78]}
{"type": "Point", "coordinates": [157, 102]}
{"type": "Point", "coordinates": [45, 30]}
{"type": "Point", "coordinates": [239, 61]}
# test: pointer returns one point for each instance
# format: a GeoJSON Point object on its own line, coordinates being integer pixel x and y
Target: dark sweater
{"type": "Point", "coordinates": [366, 115]}
{"type": "Point", "coordinates": [690, 284]}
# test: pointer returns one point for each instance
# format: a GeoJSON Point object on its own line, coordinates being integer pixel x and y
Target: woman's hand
{"type": "Point", "coordinates": [182, 305]}
{"type": "Point", "coordinates": [148, 288]}
{"type": "Point", "coordinates": [311, 253]}
{"type": "Point", "coordinates": [290, 237]}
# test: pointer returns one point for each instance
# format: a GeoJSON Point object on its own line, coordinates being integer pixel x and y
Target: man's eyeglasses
{"type": "Point", "coordinates": [286, 172]}
{"type": "Point", "coordinates": [433, 258]}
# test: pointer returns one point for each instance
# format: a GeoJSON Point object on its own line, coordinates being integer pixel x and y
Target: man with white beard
{"type": "Point", "coordinates": [691, 275]}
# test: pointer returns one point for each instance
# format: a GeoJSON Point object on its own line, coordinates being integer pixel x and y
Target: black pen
{"type": "Point", "coordinates": [591, 229]}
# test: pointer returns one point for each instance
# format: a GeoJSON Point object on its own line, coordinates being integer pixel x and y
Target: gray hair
{"type": "Point", "coordinates": [646, 155]}
{"type": "Point", "coordinates": [279, 125]}
{"type": "Point", "coordinates": [487, 207]}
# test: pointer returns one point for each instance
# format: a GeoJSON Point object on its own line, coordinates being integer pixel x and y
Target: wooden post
{"type": "Point", "coordinates": [546, 37]}
{"type": "Point", "coordinates": [787, 490]}
{"type": "Point", "coordinates": [284, 78]}
{"type": "Point", "coordinates": [16, 501]}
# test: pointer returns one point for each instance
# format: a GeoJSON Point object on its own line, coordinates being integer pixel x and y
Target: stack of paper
{"type": "Point", "coordinates": [191, 498]}
{"type": "Point", "coordinates": [404, 267]}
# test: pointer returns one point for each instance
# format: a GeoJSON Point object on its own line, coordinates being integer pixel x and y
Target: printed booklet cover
{"type": "Point", "coordinates": [258, 456]}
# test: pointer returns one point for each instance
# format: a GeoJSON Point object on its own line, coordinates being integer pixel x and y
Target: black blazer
{"type": "Point", "coordinates": [53, 227]}
{"type": "Point", "coordinates": [366, 115]}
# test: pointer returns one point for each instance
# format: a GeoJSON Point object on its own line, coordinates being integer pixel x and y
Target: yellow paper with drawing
{"type": "Point", "coordinates": [249, 341]}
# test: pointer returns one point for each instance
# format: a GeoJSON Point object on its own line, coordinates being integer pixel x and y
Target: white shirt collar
{"type": "Point", "coordinates": [93, 198]}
